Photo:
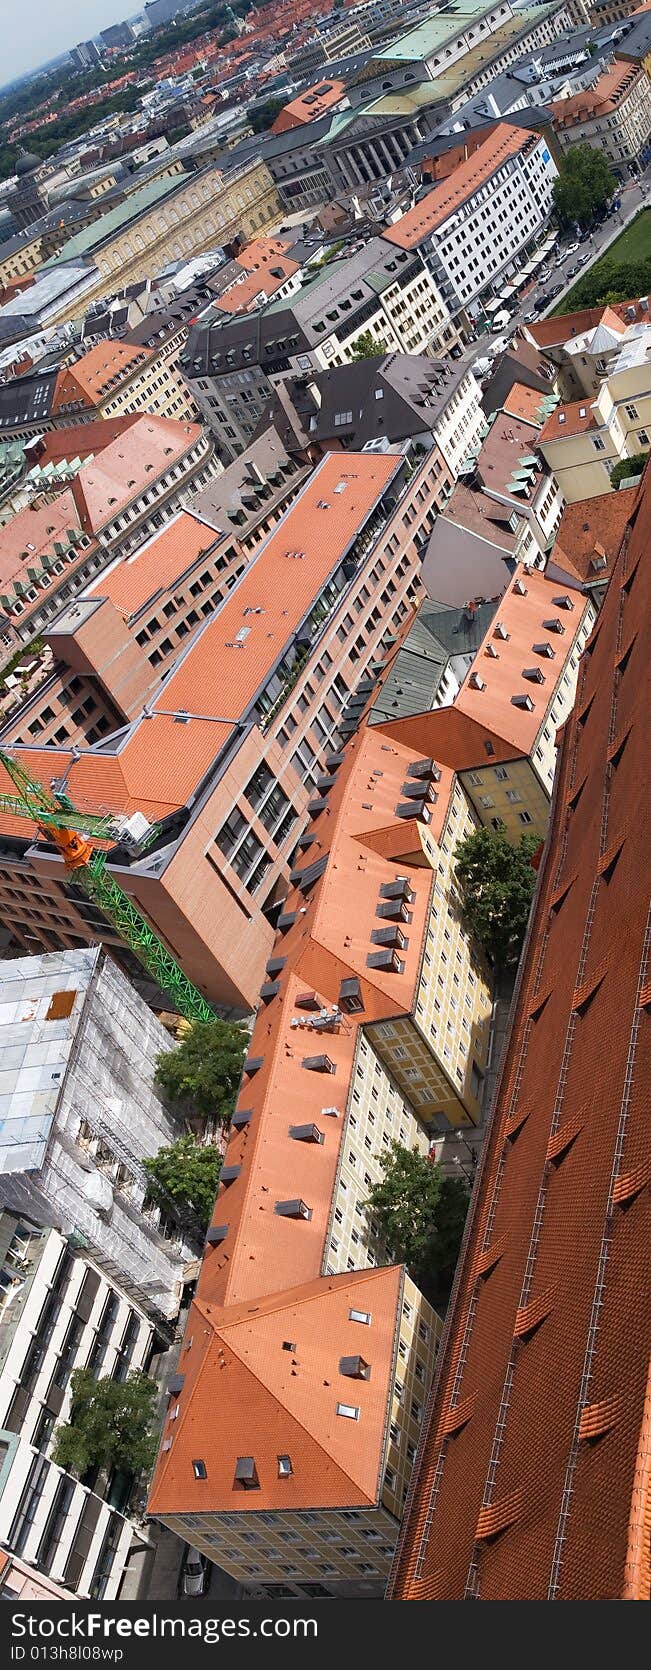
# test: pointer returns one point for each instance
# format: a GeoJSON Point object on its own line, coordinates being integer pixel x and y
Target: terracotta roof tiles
{"type": "Point", "coordinates": [581, 1529]}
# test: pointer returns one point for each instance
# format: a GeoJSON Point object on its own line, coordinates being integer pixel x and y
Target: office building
{"type": "Point", "coordinates": [225, 752]}
{"type": "Point", "coordinates": [233, 366]}
{"type": "Point", "coordinates": [130, 478]}
{"type": "Point", "coordinates": [86, 55]}
{"type": "Point", "coordinates": [475, 228]}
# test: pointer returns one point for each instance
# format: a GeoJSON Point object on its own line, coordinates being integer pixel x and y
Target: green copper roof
{"type": "Point", "coordinates": [108, 225]}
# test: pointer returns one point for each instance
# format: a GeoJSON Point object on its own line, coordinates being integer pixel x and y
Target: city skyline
{"type": "Point", "coordinates": [59, 28]}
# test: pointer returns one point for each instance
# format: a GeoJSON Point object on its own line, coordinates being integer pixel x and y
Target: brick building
{"type": "Point", "coordinates": [217, 751]}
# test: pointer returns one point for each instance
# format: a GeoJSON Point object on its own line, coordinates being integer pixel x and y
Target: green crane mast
{"type": "Point", "coordinates": [56, 816]}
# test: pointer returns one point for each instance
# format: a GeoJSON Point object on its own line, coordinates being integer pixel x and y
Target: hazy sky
{"type": "Point", "coordinates": [35, 30]}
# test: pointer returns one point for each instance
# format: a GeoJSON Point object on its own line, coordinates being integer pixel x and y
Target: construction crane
{"type": "Point", "coordinates": [59, 820]}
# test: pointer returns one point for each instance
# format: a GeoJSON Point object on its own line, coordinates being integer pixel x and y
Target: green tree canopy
{"type": "Point", "coordinates": [628, 466]}
{"type": "Point", "coordinates": [611, 281]}
{"type": "Point", "coordinates": [185, 1175]}
{"type": "Point", "coordinates": [265, 115]}
{"type": "Point", "coordinates": [584, 186]}
{"type": "Point", "coordinates": [365, 347]}
{"type": "Point", "coordinates": [110, 1425]}
{"type": "Point", "coordinates": [421, 1214]}
{"type": "Point", "coordinates": [204, 1071]}
{"type": "Point", "coordinates": [497, 882]}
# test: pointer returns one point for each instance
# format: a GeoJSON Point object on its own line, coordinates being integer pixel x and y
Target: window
{"type": "Point", "coordinates": [349, 1410]}
{"type": "Point", "coordinates": [199, 1469]}
{"type": "Point", "coordinates": [360, 1316]}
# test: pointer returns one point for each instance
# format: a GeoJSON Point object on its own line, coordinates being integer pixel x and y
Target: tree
{"type": "Point", "coordinates": [628, 466]}
{"type": "Point", "coordinates": [204, 1071]}
{"type": "Point", "coordinates": [110, 1425]}
{"type": "Point", "coordinates": [612, 281]}
{"type": "Point", "coordinates": [365, 347]}
{"type": "Point", "coordinates": [262, 118]}
{"type": "Point", "coordinates": [421, 1214]}
{"type": "Point", "coordinates": [497, 882]}
{"type": "Point", "coordinates": [185, 1175]}
{"type": "Point", "coordinates": [584, 186]}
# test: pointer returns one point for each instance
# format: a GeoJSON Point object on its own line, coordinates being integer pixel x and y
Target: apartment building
{"type": "Point", "coordinates": [112, 502]}
{"type": "Point", "coordinates": [82, 1112]}
{"type": "Point", "coordinates": [346, 968]}
{"type": "Point", "coordinates": [539, 1413]}
{"type": "Point", "coordinates": [581, 441]}
{"type": "Point", "coordinates": [389, 399]}
{"type": "Point", "coordinates": [115, 377]}
{"type": "Point", "coordinates": [152, 602]}
{"type": "Point", "coordinates": [581, 347]}
{"type": "Point", "coordinates": [233, 367]}
{"type": "Point", "coordinates": [219, 757]}
{"type": "Point", "coordinates": [169, 219]}
{"type": "Point", "coordinates": [474, 228]}
{"type": "Point", "coordinates": [614, 114]}
{"type": "Point", "coordinates": [58, 1313]}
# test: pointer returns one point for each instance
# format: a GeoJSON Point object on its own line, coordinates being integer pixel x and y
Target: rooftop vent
{"type": "Point", "coordinates": [355, 1367]}
{"type": "Point", "coordinates": [228, 1174]}
{"type": "Point", "coordinates": [476, 682]}
{"type": "Point", "coordinates": [519, 588]}
{"type": "Point", "coordinates": [293, 1209]}
{"type": "Point", "coordinates": [241, 1117]}
{"type": "Point", "coordinates": [216, 1233]}
{"type": "Point", "coordinates": [306, 1133]}
{"type": "Point", "coordinates": [246, 1474]}
{"type": "Point", "coordinates": [318, 1064]}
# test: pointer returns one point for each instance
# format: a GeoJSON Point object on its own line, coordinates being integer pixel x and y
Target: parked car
{"type": "Point", "coordinates": [195, 1573]}
{"type": "Point", "coordinates": [571, 249]}
{"type": "Point", "coordinates": [527, 318]}
{"type": "Point", "coordinates": [572, 271]}
{"type": "Point", "coordinates": [541, 303]}
{"type": "Point", "coordinates": [555, 291]}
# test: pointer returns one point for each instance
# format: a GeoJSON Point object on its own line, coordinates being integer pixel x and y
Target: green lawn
{"type": "Point", "coordinates": [633, 244]}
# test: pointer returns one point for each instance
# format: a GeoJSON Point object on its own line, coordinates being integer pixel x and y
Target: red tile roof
{"type": "Point", "coordinates": [548, 1335]}
{"type": "Point", "coordinates": [592, 528]}
{"type": "Point", "coordinates": [89, 378]}
{"type": "Point", "coordinates": [572, 419]}
{"type": "Point", "coordinates": [309, 105]}
{"type": "Point", "coordinates": [156, 566]}
{"type": "Point", "coordinates": [418, 223]}
{"type": "Point", "coordinates": [606, 94]}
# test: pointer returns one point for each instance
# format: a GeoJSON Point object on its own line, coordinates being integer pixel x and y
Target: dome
{"type": "Point", "coordinates": [26, 162]}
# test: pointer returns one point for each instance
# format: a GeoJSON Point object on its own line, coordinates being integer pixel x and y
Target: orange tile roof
{"type": "Point", "coordinates": [524, 618]}
{"type": "Point", "coordinates": [128, 466]}
{"type": "Point", "coordinates": [604, 96]}
{"type": "Point", "coordinates": [149, 771]}
{"type": "Point", "coordinates": [281, 582]}
{"type": "Point", "coordinates": [560, 1220]}
{"type": "Point", "coordinates": [262, 252]}
{"type": "Point", "coordinates": [572, 419]}
{"type": "Point", "coordinates": [592, 527]}
{"type": "Point", "coordinates": [83, 439]}
{"type": "Point", "coordinates": [156, 566]}
{"type": "Point", "coordinates": [508, 440]}
{"type": "Point", "coordinates": [418, 223]}
{"type": "Point", "coordinates": [552, 333]}
{"type": "Point", "coordinates": [272, 1402]}
{"type": "Point", "coordinates": [309, 105]}
{"type": "Point", "coordinates": [265, 281]}
{"type": "Point", "coordinates": [89, 378]}
{"type": "Point", "coordinates": [523, 402]}
{"type": "Point", "coordinates": [160, 763]}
